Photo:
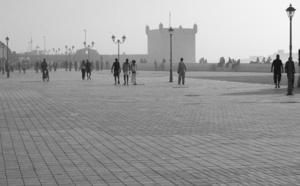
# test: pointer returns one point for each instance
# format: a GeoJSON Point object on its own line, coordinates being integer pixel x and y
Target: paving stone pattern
{"type": "Point", "coordinates": [70, 131]}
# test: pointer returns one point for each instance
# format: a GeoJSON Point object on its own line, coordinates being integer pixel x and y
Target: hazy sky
{"type": "Point", "coordinates": [229, 28]}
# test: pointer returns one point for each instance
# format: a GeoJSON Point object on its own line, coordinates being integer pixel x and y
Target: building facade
{"type": "Point", "coordinates": [183, 44]}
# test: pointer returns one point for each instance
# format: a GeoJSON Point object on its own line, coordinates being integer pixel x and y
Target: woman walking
{"type": "Point", "coordinates": [83, 67]}
{"type": "Point", "coordinates": [133, 71]}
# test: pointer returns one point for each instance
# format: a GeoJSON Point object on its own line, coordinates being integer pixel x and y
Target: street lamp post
{"type": "Point", "coordinates": [290, 12]}
{"type": "Point", "coordinates": [56, 52]}
{"type": "Point", "coordinates": [171, 69]}
{"type": "Point", "coordinates": [88, 47]}
{"type": "Point", "coordinates": [118, 42]}
{"type": "Point", "coordinates": [299, 68]}
{"type": "Point", "coordinates": [7, 68]}
{"type": "Point", "coordinates": [3, 63]}
{"type": "Point", "coordinates": [70, 50]}
{"type": "Point", "coordinates": [37, 50]}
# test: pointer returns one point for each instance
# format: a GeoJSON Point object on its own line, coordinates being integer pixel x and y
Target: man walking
{"type": "Point", "coordinates": [277, 69]}
{"type": "Point", "coordinates": [126, 71]}
{"type": "Point", "coordinates": [290, 71]}
{"type": "Point", "coordinates": [116, 69]}
{"type": "Point", "coordinates": [181, 71]}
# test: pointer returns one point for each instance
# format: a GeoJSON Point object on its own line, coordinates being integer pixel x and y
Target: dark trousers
{"type": "Point", "coordinates": [83, 73]}
{"type": "Point", "coordinates": [277, 77]}
{"type": "Point", "coordinates": [88, 74]}
{"type": "Point", "coordinates": [181, 76]}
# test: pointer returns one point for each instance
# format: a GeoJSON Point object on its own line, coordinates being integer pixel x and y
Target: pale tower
{"type": "Point", "coordinates": [183, 44]}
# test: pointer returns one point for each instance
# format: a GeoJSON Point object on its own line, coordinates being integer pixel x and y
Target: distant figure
{"type": "Point", "coordinates": [70, 65]}
{"type": "Point", "coordinates": [107, 64]}
{"type": "Point", "coordinates": [116, 69]}
{"type": "Point", "coordinates": [126, 71]}
{"type": "Point", "coordinates": [277, 68]}
{"type": "Point", "coordinates": [88, 69]}
{"type": "Point", "coordinates": [19, 67]}
{"type": "Point", "coordinates": [133, 71]}
{"type": "Point", "coordinates": [45, 72]}
{"type": "Point", "coordinates": [290, 71]}
{"type": "Point", "coordinates": [75, 65]}
{"type": "Point", "coordinates": [155, 65]}
{"type": "Point", "coordinates": [66, 65]}
{"type": "Point", "coordinates": [55, 66]}
{"type": "Point", "coordinates": [82, 68]}
{"type": "Point", "coordinates": [36, 67]}
{"type": "Point", "coordinates": [101, 65]}
{"type": "Point", "coordinates": [181, 71]}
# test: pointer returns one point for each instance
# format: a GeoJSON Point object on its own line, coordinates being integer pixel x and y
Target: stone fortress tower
{"type": "Point", "coordinates": [183, 44]}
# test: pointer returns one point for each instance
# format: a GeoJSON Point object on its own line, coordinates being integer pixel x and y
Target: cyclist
{"type": "Point", "coordinates": [45, 71]}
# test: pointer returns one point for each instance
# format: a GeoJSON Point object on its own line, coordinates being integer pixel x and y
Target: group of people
{"type": "Point", "coordinates": [85, 67]}
{"type": "Point", "coordinates": [277, 69]}
{"type": "Point", "coordinates": [127, 68]}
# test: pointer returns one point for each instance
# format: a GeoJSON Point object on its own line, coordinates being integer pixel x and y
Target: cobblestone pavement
{"type": "Point", "coordinates": [206, 133]}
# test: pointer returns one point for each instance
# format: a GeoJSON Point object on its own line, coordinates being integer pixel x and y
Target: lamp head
{"type": "Point", "coordinates": [290, 11]}
{"type": "Point", "coordinates": [93, 43]}
{"type": "Point", "coordinates": [7, 39]}
{"type": "Point", "coordinates": [113, 37]}
{"type": "Point", "coordinates": [84, 43]}
{"type": "Point", "coordinates": [123, 38]}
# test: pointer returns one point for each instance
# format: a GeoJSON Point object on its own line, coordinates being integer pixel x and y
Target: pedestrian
{"type": "Point", "coordinates": [70, 65]}
{"type": "Point", "coordinates": [101, 65]}
{"type": "Point", "coordinates": [290, 71]}
{"type": "Point", "coordinates": [45, 72]}
{"type": "Point", "coordinates": [75, 65]}
{"type": "Point", "coordinates": [126, 72]}
{"type": "Point", "coordinates": [116, 69]}
{"type": "Point", "coordinates": [133, 72]}
{"type": "Point", "coordinates": [83, 67]}
{"type": "Point", "coordinates": [19, 67]}
{"type": "Point", "coordinates": [37, 64]}
{"type": "Point", "coordinates": [181, 71]}
{"type": "Point", "coordinates": [88, 70]}
{"type": "Point", "coordinates": [277, 69]}
{"type": "Point", "coordinates": [155, 65]}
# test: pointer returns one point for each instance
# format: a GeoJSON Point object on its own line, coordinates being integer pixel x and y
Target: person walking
{"type": "Point", "coordinates": [88, 70]}
{"type": "Point", "coordinates": [116, 69]}
{"type": "Point", "coordinates": [290, 71]}
{"type": "Point", "coordinates": [277, 69]}
{"type": "Point", "coordinates": [181, 71]}
{"type": "Point", "coordinates": [133, 72]}
{"type": "Point", "coordinates": [126, 72]}
{"type": "Point", "coordinates": [45, 72]}
{"type": "Point", "coordinates": [82, 68]}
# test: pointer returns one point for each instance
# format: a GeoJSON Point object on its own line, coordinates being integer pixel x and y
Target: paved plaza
{"type": "Point", "coordinates": [206, 133]}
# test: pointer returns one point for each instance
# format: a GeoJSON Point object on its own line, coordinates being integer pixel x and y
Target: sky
{"type": "Point", "coordinates": [228, 28]}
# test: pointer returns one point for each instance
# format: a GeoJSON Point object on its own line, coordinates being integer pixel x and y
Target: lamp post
{"type": "Point", "coordinates": [70, 50]}
{"type": "Point", "coordinates": [88, 47]}
{"type": "Point", "coordinates": [171, 69]}
{"type": "Point", "coordinates": [7, 68]}
{"type": "Point", "coordinates": [118, 42]}
{"type": "Point", "coordinates": [56, 52]}
{"type": "Point", "coordinates": [3, 63]}
{"type": "Point", "coordinates": [37, 50]}
{"type": "Point", "coordinates": [290, 12]}
{"type": "Point", "coordinates": [299, 68]}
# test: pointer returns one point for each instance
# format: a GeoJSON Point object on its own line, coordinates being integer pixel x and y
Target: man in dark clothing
{"type": "Point", "coordinates": [116, 69]}
{"type": "Point", "coordinates": [290, 71]}
{"type": "Point", "coordinates": [88, 66]}
{"type": "Point", "coordinates": [45, 71]}
{"type": "Point", "coordinates": [277, 68]}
